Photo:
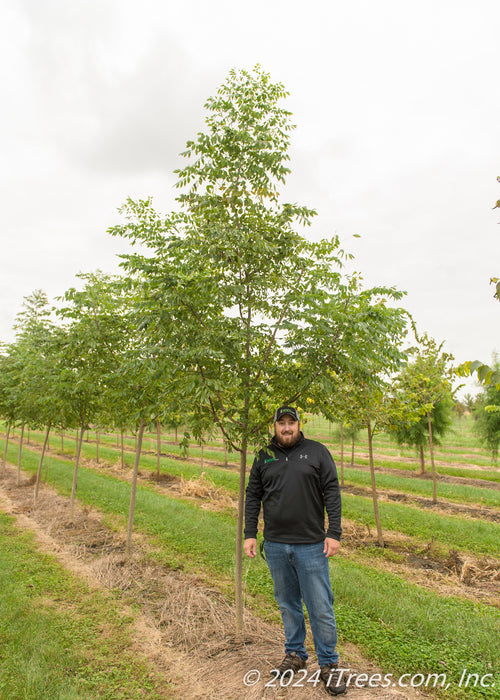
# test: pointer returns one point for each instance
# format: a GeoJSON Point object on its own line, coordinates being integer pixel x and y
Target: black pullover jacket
{"type": "Point", "coordinates": [294, 485]}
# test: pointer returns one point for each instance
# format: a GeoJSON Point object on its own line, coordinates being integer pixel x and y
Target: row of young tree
{"type": "Point", "coordinates": [225, 311]}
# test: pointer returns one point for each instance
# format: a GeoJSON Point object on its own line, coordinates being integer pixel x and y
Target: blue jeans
{"type": "Point", "coordinates": [300, 573]}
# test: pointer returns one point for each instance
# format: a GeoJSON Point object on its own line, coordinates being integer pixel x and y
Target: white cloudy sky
{"type": "Point", "coordinates": [397, 140]}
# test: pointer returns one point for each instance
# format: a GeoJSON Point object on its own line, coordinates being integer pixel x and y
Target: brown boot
{"type": "Point", "coordinates": [331, 677]}
{"type": "Point", "coordinates": [292, 662]}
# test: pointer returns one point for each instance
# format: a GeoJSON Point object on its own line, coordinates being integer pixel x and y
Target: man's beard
{"type": "Point", "coordinates": [287, 440]}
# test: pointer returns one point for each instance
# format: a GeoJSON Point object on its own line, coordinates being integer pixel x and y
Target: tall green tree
{"type": "Point", "coordinates": [415, 433]}
{"type": "Point", "coordinates": [91, 348]}
{"type": "Point", "coordinates": [28, 371]}
{"type": "Point", "coordinates": [426, 384]}
{"type": "Point", "coordinates": [250, 312]}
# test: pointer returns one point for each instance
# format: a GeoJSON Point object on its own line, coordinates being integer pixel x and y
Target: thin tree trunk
{"type": "Point", "coordinates": [62, 440]}
{"type": "Point", "coordinates": [97, 446]}
{"type": "Point", "coordinates": [185, 431]}
{"type": "Point", "coordinates": [422, 460]}
{"type": "Point", "coordinates": [6, 448]}
{"type": "Point", "coordinates": [39, 471]}
{"type": "Point", "coordinates": [239, 539]}
{"type": "Point", "coordinates": [122, 450]}
{"type": "Point", "coordinates": [352, 450]}
{"type": "Point", "coordinates": [380, 536]}
{"type": "Point", "coordinates": [75, 472]}
{"type": "Point", "coordinates": [19, 455]}
{"type": "Point", "coordinates": [341, 454]}
{"type": "Point", "coordinates": [225, 454]}
{"type": "Point", "coordinates": [158, 449]}
{"type": "Point", "coordinates": [431, 449]}
{"type": "Point", "coordinates": [128, 548]}
{"type": "Point", "coordinates": [202, 457]}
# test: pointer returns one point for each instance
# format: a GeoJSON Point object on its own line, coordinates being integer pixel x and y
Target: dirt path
{"type": "Point", "coordinates": [185, 627]}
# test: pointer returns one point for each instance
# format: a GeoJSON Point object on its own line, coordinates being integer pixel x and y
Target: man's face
{"type": "Point", "coordinates": [287, 431]}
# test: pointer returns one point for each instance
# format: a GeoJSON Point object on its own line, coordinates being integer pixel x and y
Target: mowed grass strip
{"type": "Point", "coordinates": [108, 442]}
{"type": "Point", "coordinates": [57, 638]}
{"type": "Point", "coordinates": [464, 534]}
{"type": "Point", "coordinates": [402, 626]}
{"type": "Point", "coordinates": [478, 474]}
{"type": "Point", "coordinates": [415, 631]}
{"type": "Point", "coordinates": [474, 495]}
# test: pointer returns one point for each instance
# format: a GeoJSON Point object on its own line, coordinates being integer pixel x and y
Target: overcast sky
{"type": "Point", "coordinates": [398, 135]}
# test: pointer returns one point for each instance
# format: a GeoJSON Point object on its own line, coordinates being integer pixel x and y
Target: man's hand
{"type": "Point", "coordinates": [250, 547]}
{"type": "Point", "coordinates": [331, 547]}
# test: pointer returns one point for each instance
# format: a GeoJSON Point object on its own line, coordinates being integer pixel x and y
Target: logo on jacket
{"type": "Point", "coordinates": [303, 456]}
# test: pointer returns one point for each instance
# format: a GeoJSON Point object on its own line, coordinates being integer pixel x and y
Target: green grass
{"type": "Point", "coordinates": [479, 474]}
{"type": "Point", "coordinates": [399, 624]}
{"type": "Point", "coordinates": [423, 487]}
{"type": "Point", "coordinates": [57, 638]}
{"type": "Point", "coordinates": [413, 630]}
{"type": "Point", "coordinates": [226, 478]}
{"type": "Point", "coordinates": [472, 535]}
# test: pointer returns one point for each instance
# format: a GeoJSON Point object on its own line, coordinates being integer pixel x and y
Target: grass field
{"type": "Point", "coordinates": [51, 625]}
{"type": "Point", "coordinates": [403, 624]}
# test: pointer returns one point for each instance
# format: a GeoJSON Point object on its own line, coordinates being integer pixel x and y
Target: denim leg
{"type": "Point", "coordinates": [287, 594]}
{"type": "Point", "coordinates": [313, 574]}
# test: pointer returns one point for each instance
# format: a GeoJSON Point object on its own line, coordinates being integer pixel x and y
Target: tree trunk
{"type": "Point", "coordinates": [158, 449]}
{"type": "Point", "coordinates": [19, 455]}
{"type": "Point", "coordinates": [225, 453]}
{"type": "Point", "coordinates": [62, 440]}
{"type": "Point", "coordinates": [431, 450]}
{"type": "Point", "coordinates": [422, 460]}
{"type": "Point", "coordinates": [352, 451]}
{"type": "Point", "coordinates": [380, 536]}
{"type": "Point", "coordinates": [341, 454]}
{"type": "Point", "coordinates": [97, 446]}
{"type": "Point", "coordinates": [122, 450]}
{"type": "Point", "coordinates": [202, 457]}
{"type": "Point", "coordinates": [6, 448]}
{"type": "Point", "coordinates": [239, 539]}
{"type": "Point", "coordinates": [75, 472]}
{"type": "Point", "coordinates": [39, 471]}
{"type": "Point", "coordinates": [128, 548]}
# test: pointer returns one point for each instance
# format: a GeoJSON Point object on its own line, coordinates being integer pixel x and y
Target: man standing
{"type": "Point", "coordinates": [295, 479]}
